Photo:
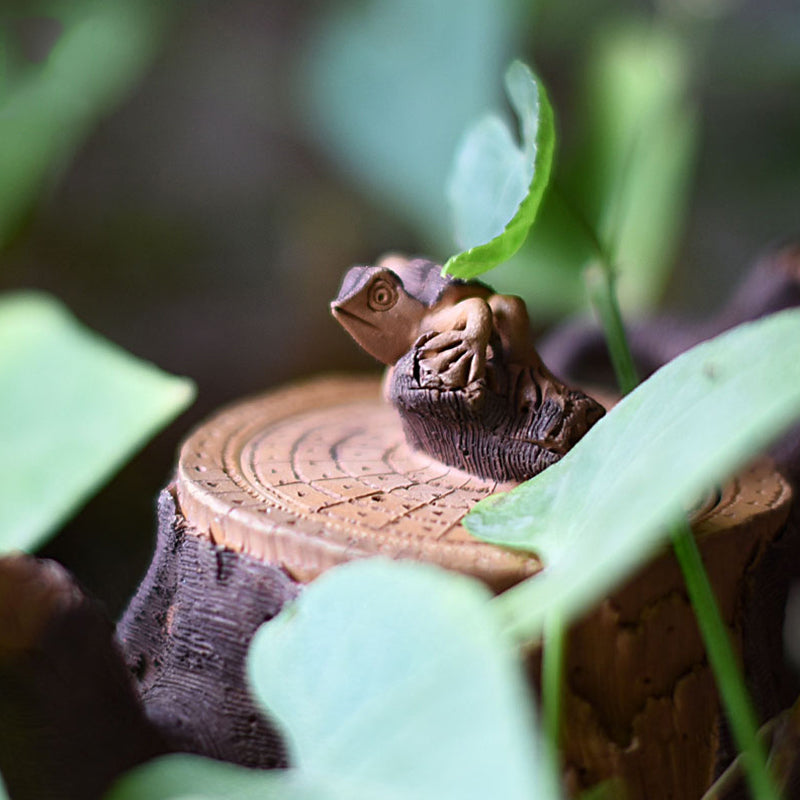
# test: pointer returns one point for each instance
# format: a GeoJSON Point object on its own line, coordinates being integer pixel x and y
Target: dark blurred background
{"type": "Point", "coordinates": [193, 177]}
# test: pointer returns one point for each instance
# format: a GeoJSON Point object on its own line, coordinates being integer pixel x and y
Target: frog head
{"type": "Point", "coordinates": [376, 310]}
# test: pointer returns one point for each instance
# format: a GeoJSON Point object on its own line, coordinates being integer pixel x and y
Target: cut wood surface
{"type": "Point", "coordinates": [320, 473]}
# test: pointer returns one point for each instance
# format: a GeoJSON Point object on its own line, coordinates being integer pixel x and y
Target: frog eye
{"type": "Point", "coordinates": [382, 295]}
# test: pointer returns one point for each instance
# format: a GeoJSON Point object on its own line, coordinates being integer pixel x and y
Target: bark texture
{"type": "Point", "coordinates": [502, 428]}
{"type": "Point", "coordinates": [641, 703]}
{"type": "Point", "coordinates": [185, 637]}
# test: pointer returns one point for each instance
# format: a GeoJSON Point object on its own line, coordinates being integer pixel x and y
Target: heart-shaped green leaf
{"type": "Point", "coordinates": [73, 408]}
{"type": "Point", "coordinates": [395, 676]}
{"type": "Point", "coordinates": [625, 170]}
{"type": "Point", "coordinates": [599, 512]}
{"type": "Point", "coordinates": [497, 187]}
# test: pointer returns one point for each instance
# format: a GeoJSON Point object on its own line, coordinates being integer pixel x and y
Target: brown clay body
{"type": "Point", "coordinates": [465, 376]}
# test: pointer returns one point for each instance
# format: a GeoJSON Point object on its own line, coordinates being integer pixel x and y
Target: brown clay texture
{"type": "Point", "coordinates": [640, 699]}
{"type": "Point", "coordinates": [320, 473]}
{"type": "Point", "coordinates": [466, 380]}
{"type": "Point", "coordinates": [185, 637]}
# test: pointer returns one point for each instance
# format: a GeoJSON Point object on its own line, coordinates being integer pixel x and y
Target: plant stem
{"type": "Point", "coordinates": [600, 281]}
{"type": "Point", "coordinates": [740, 713]}
{"type": "Point", "coordinates": [552, 677]}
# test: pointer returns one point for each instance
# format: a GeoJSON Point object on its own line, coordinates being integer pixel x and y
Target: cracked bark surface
{"type": "Point", "coordinates": [641, 703]}
{"type": "Point", "coordinates": [184, 637]}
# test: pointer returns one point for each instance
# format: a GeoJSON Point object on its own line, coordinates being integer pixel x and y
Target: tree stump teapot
{"type": "Point", "coordinates": [272, 491]}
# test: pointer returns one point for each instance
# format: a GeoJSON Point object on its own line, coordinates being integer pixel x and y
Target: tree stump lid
{"type": "Point", "coordinates": [320, 473]}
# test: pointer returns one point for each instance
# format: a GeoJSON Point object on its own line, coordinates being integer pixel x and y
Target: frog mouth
{"type": "Point", "coordinates": [348, 318]}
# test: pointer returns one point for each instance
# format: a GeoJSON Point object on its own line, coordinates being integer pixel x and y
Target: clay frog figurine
{"type": "Point", "coordinates": [465, 376]}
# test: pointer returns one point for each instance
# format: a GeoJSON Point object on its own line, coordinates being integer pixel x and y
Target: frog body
{"type": "Point", "coordinates": [458, 345]}
{"type": "Point", "coordinates": [401, 303]}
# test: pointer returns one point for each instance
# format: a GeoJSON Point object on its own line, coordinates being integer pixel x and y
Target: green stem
{"type": "Point", "coordinates": [740, 713]}
{"type": "Point", "coordinates": [600, 280]}
{"type": "Point", "coordinates": [584, 227]}
{"type": "Point", "coordinates": [552, 677]}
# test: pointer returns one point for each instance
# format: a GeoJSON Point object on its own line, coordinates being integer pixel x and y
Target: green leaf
{"type": "Point", "coordinates": [546, 271]}
{"type": "Point", "coordinates": [184, 777]}
{"type": "Point", "coordinates": [497, 187]}
{"type": "Point", "coordinates": [632, 174]}
{"type": "Point", "coordinates": [73, 408]}
{"type": "Point", "coordinates": [390, 87]}
{"type": "Point", "coordinates": [395, 676]}
{"type": "Point", "coordinates": [48, 109]}
{"type": "Point", "coordinates": [605, 507]}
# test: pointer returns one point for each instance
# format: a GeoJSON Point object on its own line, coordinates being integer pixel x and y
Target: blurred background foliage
{"type": "Point", "coordinates": [192, 178]}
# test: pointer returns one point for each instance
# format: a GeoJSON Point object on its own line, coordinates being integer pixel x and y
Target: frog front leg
{"type": "Point", "coordinates": [453, 343]}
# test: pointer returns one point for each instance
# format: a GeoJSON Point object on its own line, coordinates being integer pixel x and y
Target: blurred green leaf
{"type": "Point", "coordinates": [602, 510]}
{"type": "Point", "coordinates": [402, 645]}
{"type": "Point", "coordinates": [187, 777]}
{"type": "Point", "coordinates": [184, 777]}
{"type": "Point", "coordinates": [73, 408]}
{"type": "Point", "coordinates": [392, 680]}
{"type": "Point", "coordinates": [497, 187]}
{"type": "Point", "coordinates": [632, 174]}
{"type": "Point", "coordinates": [390, 88]}
{"type": "Point", "coordinates": [47, 110]}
